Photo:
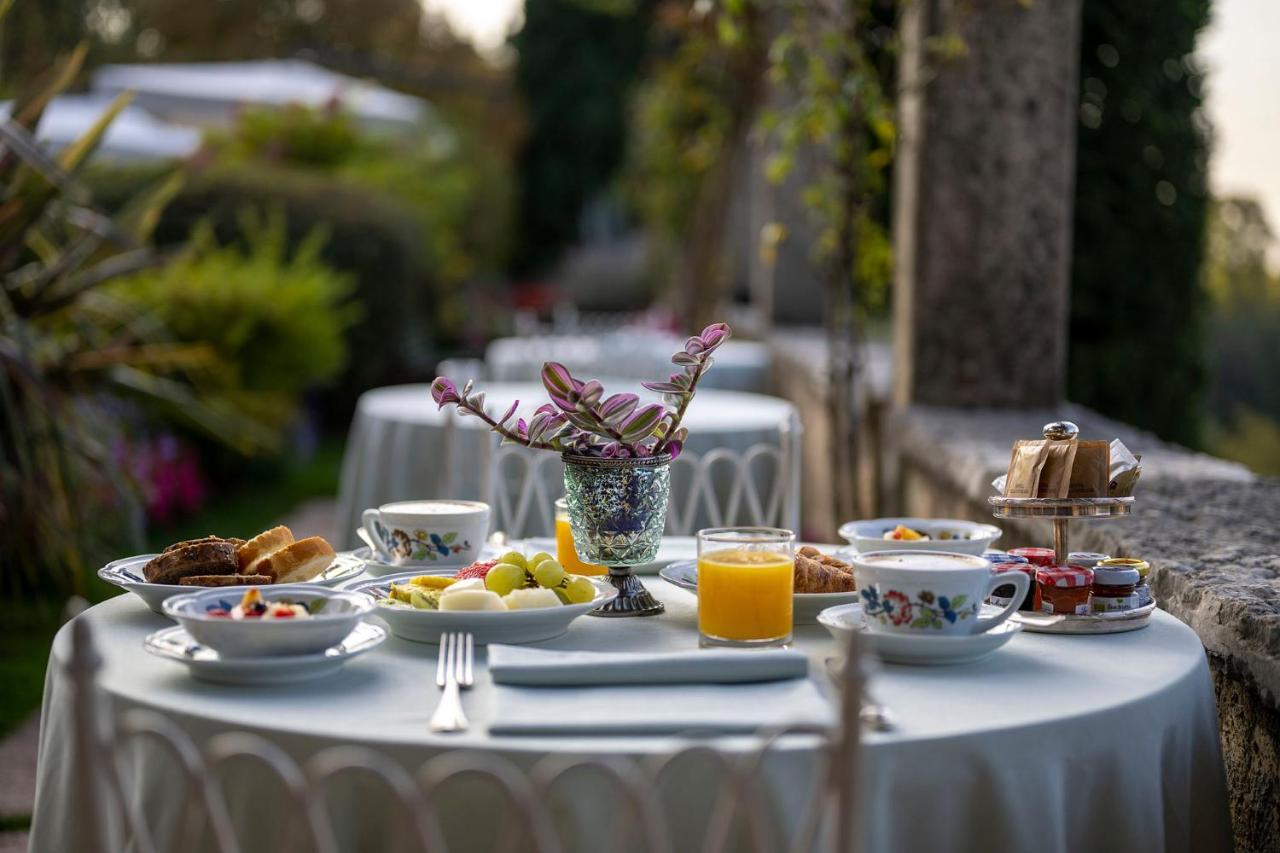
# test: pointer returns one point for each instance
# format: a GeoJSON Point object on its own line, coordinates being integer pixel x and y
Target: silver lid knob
{"type": "Point", "coordinates": [1061, 430]}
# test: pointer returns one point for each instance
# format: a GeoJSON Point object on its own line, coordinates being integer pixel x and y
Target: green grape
{"type": "Point", "coordinates": [549, 573]}
{"type": "Point", "coordinates": [515, 558]}
{"type": "Point", "coordinates": [504, 577]}
{"type": "Point", "coordinates": [538, 559]}
{"type": "Point", "coordinates": [562, 595]}
{"type": "Point", "coordinates": [580, 590]}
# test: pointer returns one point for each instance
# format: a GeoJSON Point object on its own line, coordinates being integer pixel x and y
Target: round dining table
{"type": "Point", "coordinates": [1051, 743]}
{"type": "Point", "coordinates": [401, 447]}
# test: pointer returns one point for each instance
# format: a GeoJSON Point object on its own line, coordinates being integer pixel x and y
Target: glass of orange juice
{"type": "Point", "coordinates": [565, 553]}
{"type": "Point", "coordinates": [745, 581]}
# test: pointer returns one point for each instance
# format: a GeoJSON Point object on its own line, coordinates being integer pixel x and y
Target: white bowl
{"type": "Point", "coordinates": [245, 638]}
{"type": "Point", "coordinates": [868, 535]}
{"type": "Point", "coordinates": [127, 575]}
{"type": "Point", "coordinates": [503, 626]}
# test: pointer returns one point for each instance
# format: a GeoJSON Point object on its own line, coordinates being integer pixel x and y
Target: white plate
{"type": "Point", "coordinates": [919, 649]}
{"type": "Point", "coordinates": [866, 536]}
{"type": "Point", "coordinates": [127, 574]}
{"type": "Point", "coordinates": [376, 568]}
{"type": "Point", "coordinates": [805, 606]}
{"type": "Point", "coordinates": [508, 626]}
{"type": "Point", "coordinates": [205, 664]}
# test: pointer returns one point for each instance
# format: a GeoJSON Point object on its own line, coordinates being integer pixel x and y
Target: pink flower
{"type": "Point", "coordinates": [902, 610]}
{"type": "Point", "coordinates": [444, 392]}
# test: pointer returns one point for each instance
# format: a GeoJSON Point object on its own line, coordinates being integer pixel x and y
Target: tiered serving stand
{"type": "Point", "coordinates": [1062, 511]}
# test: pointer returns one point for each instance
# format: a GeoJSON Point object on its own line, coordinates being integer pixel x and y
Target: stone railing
{"type": "Point", "coordinates": [1210, 528]}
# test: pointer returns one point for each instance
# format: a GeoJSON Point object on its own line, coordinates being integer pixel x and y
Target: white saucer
{"type": "Point", "coordinates": [920, 649]}
{"type": "Point", "coordinates": [205, 664]}
{"type": "Point", "coordinates": [377, 568]}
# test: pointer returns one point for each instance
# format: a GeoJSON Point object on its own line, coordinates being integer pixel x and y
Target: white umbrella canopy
{"type": "Point", "coordinates": [135, 134]}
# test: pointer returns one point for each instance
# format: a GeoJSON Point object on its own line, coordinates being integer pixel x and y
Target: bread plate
{"type": "Point", "coordinates": [127, 574]}
{"type": "Point", "coordinates": [336, 615]}
{"type": "Point", "coordinates": [507, 626]}
{"type": "Point", "coordinates": [868, 535]}
{"type": "Point", "coordinates": [805, 606]}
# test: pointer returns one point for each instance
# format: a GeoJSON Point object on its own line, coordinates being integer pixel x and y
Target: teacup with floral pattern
{"type": "Point", "coordinates": [930, 592]}
{"type": "Point", "coordinates": [428, 533]}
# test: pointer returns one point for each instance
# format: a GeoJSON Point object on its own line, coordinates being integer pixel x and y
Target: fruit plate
{"type": "Point", "coordinates": [805, 606]}
{"type": "Point", "coordinates": [867, 536]}
{"type": "Point", "coordinates": [127, 574]}
{"type": "Point", "coordinates": [205, 664]}
{"type": "Point", "coordinates": [919, 649]}
{"type": "Point", "coordinates": [1092, 623]}
{"type": "Point", "coordinates": [507, 626]}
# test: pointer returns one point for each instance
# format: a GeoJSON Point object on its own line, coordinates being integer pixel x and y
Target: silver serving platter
{"type": "Point", "coordinates": [1093, 623]}
{"type": "Point", "coordinates": [1003, 507]}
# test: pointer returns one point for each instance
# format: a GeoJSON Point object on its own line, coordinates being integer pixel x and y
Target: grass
{"type": "Point", "coordinates": [31, 624]}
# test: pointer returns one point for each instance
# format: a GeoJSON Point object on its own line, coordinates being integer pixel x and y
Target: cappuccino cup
{"type": "Point", "coordinates": [931, 593]}
{"type": "Point", "coordinates": [427, 532]}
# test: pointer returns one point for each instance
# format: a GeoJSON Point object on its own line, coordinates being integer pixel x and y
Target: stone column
{"type": "Point", "coordinates": [983, 202]}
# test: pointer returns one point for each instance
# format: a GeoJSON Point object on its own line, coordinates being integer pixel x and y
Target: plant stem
{"type": "Point", "coordinates": [506, 433]}
{"type": "Point", "coordinates": [685, 400]}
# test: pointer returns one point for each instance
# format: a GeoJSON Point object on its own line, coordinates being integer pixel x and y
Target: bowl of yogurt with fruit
{"type": "Point", "coordinates": [919, 534]}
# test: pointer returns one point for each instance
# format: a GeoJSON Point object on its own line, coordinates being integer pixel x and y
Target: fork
{"type": "Point", "coordinates": [454, 670]}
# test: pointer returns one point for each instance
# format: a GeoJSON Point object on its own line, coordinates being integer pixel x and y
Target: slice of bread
{"type": "Point", "coordinates": [261, 545]}
{"type": "Point", "coordinates": [225, 580]}
{"type": "Point", "coordinates": [198, 557]}
{"type": "Point", "coordinates": [296, 562]}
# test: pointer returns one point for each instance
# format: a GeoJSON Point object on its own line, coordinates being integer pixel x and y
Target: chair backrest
{"type": "Point", "coordinates": [756, 487]}
{"type": "Point", "coordinates": [109, 819]}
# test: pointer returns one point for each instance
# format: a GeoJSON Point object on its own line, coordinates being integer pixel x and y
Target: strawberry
{"type": "Point", "coordinates": [478, 569]}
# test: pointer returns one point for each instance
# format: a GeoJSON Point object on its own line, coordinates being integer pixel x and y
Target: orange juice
{"type": "Point", "coordinates": [568, 557]}
{"type": "Point", "coordinates": [745, 595]}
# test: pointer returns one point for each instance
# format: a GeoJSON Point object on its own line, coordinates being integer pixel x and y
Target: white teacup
{"type": "Point", "coordinates": [427, 532]}
{"type": "Point", "coordinates": [931, 592]}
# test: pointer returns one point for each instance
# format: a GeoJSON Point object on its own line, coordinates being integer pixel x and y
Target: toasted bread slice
{"type": "Point", "coordinates": [191, 558]}
{"type": "Point", "coordinates": [206, 540]}
{"type": "Point", "coordinates": [296, 562]}
{"type": "Point", "coordinates": [262, 545]}
{"type": "Point", "coordinates": [225, 580]}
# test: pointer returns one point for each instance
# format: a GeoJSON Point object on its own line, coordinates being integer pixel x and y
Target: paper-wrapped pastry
{"type": "Point", "coordinates": [1124, 469]}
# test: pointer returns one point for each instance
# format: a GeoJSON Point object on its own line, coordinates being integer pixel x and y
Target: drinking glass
{"type": "Point", "coordinates": [745, 582]}
{"type": "Point", "coordinates": [565, 553]}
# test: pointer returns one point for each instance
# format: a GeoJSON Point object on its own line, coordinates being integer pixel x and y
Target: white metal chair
{"type": "Point", "coordinates": [111, 820]}
{"type": "Point", "coordinates": [757, 487]}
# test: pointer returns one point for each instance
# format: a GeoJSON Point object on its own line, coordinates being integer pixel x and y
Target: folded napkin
{"type": "Point", "coordinates": [651, 694]}
{"type": "Point", "coordinates": [550, 668]}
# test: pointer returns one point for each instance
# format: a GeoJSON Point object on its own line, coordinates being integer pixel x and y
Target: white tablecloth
{"type": "Point", "coordinates": [739, 365]}
{"type": "Point", "coordinates": [1053, 744]}
{"type": "Point", "coordinates": [402, 448]}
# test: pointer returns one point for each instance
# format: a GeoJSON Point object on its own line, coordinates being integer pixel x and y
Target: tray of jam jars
{"type": "Point", "coordinates": [1082, 594]}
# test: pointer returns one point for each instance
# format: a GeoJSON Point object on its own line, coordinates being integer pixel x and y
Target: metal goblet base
{"type": "Point", "coordinates": [633, 599]}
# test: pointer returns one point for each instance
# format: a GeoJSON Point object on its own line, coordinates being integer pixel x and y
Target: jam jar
{"type": "Point", "coordinates": [1001, 595]}
{"type": "Point", "coordinates": [1064, 590]}
{"type": "Point", "coordinates": [1114, 589]}
{"type": "Point", "coordinates": [1086, 558]}
{"type": "Point", "coordinates": [1143, 568]}
{"type": "Point", "coordinates": [1036, 556]}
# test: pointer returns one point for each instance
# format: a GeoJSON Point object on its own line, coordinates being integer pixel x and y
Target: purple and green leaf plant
{"type": "Point", "coordinates": [581, 420]}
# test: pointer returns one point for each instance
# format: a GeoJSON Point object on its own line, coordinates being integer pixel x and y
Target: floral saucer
{"type": "Point", "coordinates": [919, 649]}
{"type": "Point", "coordinates": [375, 567]}
{"type": "Point", "coordinates": [207, 665]}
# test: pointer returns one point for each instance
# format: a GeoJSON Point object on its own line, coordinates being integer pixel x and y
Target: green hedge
{"type": "Point", "coordinates": [374, 238]}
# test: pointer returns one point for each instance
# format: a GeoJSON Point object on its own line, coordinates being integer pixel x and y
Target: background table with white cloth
{"type": "Point", "coordinates": [1054, 744]}
{"type": "Point", "coordinates": [402, 448]}
{"type": "Point", "coordinates": [637, 355]}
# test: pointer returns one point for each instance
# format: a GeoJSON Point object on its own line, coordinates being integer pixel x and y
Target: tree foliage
{"type": "Point", "coordinates": [1137, 307]}
{"type": "Point", "coordinates": [576, 65]}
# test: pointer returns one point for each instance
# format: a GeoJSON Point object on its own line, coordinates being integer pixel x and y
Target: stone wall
{"type": "Point", "coordinates": [1210, 529]}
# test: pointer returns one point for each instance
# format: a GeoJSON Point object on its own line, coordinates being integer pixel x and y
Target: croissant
{"type": "Point", "coordinates": [818, 572]}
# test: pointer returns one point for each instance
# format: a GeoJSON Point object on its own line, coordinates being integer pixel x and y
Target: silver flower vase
{"type": "Point", "coordinates": [617, 511]}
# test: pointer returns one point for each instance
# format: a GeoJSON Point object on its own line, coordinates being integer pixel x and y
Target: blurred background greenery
{"type": "Point", "coordinates": [245, 294]}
